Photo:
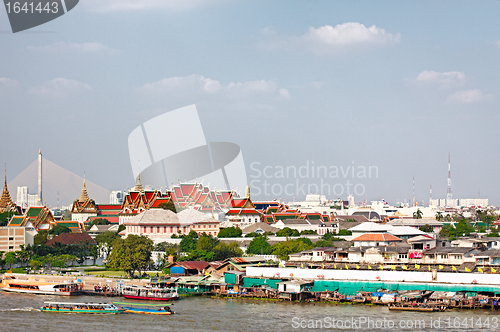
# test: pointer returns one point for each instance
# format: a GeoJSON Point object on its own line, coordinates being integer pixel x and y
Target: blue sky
{"type": "Point", "coordinates": [393, 85]}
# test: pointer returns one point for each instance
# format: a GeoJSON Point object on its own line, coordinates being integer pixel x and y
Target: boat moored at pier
{"type": "Point", "coordinates": [149, 293]}
{"type": "Point", "coordinates": [41, 287]}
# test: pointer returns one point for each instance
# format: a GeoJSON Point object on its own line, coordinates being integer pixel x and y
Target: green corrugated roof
{"type": "Point", "coordinates": [69, 224]}
{"type": "Point", "coordinates": [34, 211]}
{"type": "Point", "coordinates": [353, 287]}
{"type": "Point", "coordinates": [16, 221]}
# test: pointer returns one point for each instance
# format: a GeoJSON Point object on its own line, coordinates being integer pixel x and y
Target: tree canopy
{"type": "Point", "coordinates": [131, 254]}
{"type": "Point", "coordinates": [230, 232]}
{"type": "Point", "coordinates": [426, 228]}
{"type": "Point", "coordinates": [59, 229]}
{"type": "Point", "coordinates": [287, 232]}
{"type": "Point", "coordinates": [259, 246]}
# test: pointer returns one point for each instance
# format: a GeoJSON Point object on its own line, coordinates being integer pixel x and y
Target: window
{"type": "Point", "coordinates": [11, 247]}
{"type": "Point", "coordinates": [403, 256]}
{"type": "Point", "coordinates": [11, 239]}
{"type": "Point", "coordinates": [443, 256]}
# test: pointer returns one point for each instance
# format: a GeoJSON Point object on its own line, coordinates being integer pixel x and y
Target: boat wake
{"type": "Point", "coordinates": [20, 309]}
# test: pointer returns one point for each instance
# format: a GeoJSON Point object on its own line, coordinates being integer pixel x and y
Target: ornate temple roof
{"type": "Point", "coordinates": [84, 204]}
{"type": "Point", "coordinates": [6, 203]}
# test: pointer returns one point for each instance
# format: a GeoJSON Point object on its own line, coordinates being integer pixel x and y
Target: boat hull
{"type": "Point", "coordinates": [147, 298]}
{"type": "Point", "coordinates": [146, 311]}
{"type": "Point", "coordinates": [82, 311]}
{"type": "Point", "coordinates": [38, 292]}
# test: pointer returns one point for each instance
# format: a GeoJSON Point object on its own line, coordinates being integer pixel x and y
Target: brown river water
{"type": "Point", "coordinates": [21, 313]}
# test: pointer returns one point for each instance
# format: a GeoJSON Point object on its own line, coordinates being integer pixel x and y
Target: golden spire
{"type": "Point", "coordinates": [84, 196]}
{"type": "Point", "coordinates": [248, 192]}
{"type": "Point", "coordinates": [5, 200]}
{"type": "Point", "coordinates": [138, 184]}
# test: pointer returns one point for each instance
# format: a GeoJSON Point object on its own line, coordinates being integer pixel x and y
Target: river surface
{"type": "Point", "coordinates": [21, 313]}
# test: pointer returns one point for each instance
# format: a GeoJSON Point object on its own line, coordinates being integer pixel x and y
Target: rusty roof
{"type": "Point", "coordinates": [71, 238]}
{"type": "Point", "coordinates": [192, 265]}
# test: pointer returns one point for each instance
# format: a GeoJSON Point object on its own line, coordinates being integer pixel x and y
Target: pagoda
{"type": "Point", "coordinates": [6, 203]}
{"type": "Point", "coordinates": [84, 207]}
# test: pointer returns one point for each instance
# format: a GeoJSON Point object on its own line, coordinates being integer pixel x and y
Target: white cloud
{"type": "Point", "coordinates": [60, 47]}
{"type": "Point", "coordinates": [197, 84]}
{"type": "Point", "coordinates": [60, 88]}
{"type": "Point", "coordinates": [444, 80]}
{"type": "Point", "coordinates": [348, 34]}
{"type": "Point", "coordinates": [329, 38]}
{"type": "Point", "coordinates": [7, 82]}
{"type": "Point", "coordinates": [135, 5]}
{"type": "Point", "coordinates": [284, 93]}
{"type": "Point", "coordinates": [469, 96]}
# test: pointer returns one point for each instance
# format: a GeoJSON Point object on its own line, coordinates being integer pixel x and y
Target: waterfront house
{"type": "Point", "coordinates": [422, 242]}
{"type": "Point", "coordinates": [294, 290]}
{"type": "Point", "coordinates": [188, 268]}
{"type": "Point", "coordinates": [450, 256]}
{"type": "Point", "coordinates": [375, 240]}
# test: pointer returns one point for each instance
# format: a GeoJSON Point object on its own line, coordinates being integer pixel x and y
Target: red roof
{"type": "Point", "coordinates": [192, 265]}
{"type": "Point", "coordinates": [71, 238]}
{"type": "Point", "coordinates": [384, 237]}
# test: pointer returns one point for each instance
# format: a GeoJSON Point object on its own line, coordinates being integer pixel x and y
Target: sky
{"type": "Point", "coordinates": [368, 94]}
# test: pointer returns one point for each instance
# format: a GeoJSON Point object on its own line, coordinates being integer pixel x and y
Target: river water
{"type": "Point", "coordinates": [21, 313]}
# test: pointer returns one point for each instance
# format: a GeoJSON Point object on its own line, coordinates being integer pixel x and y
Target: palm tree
{"type": "Point", "coordinates": [439, 216]}
{"type": "Point", "coordinates": [418, 214]}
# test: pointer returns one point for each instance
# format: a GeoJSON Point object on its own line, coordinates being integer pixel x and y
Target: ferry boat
{"type": "Point", "coordinates": [41, 287]}
{"type": "Point", "coordinates": [146, 309]}
{"type": "Point", "coordinates": [149, 293]}
{"type": "Point", "coordinates": [82, 308]}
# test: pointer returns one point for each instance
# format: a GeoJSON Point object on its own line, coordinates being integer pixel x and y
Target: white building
{"type": "Point", "coordinates": [116, 197]}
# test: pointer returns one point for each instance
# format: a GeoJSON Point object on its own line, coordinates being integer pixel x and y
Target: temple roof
{"type": "Point", "coordinates": [6, 202]}
{"type": "Point", "coordinates": [84, 196]}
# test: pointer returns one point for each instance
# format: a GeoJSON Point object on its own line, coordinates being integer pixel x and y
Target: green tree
{"type": "Point", "coordinates": [418, 214]}
{"type": "Point", "coordinates": [308, 232]}
{"type": "Point", "coordinates": [344, 232]}
{"type": "Point", "coordinates": [206, 242]}
{"type": "Point", "coordinates": [259, 246]}
{"type": "Point", "coordinates": [41, 237]}
{"type": "Point", "coordinates": [105, 241]}
{"type": "Point", "coordinates": [287, 232]}
{"type": "Point", "coordinates": [439, 216]}
{"type": "Point", "coordinates": [168, 206]}
{"type": "Point", "coordinates": [35, 263]}
{"type": "Point", "coordinates": [5, 217]}
{"type": "Point", "coordinates": [188, 242]}
{"type": "Point", "coordinates": [131, 254]}
{"type": "Point", "coordinates": [120, 228]}
{"type": "Point", "coordinates": [11, 259]}
{"type": "Point", "coordinates": [65, 258]}
{"type": "Point", "coordinates": [230, 232]}
{"type": "Point", "coordinates": [223, 251]}
{"type": "Point", "coordinates": [2, 260]}
{"type": "Point", "coordinates": [282, 250]}
{"type": "Point", "coordinates": [426, 228]}
{"type": "Point", "coordinates": [59, 229]}
{"type": "Point", "coordinates": [97, 221]}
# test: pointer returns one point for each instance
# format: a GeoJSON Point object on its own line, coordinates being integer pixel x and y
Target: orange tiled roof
{"type": "Point", "coordinates": [379, 237]}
